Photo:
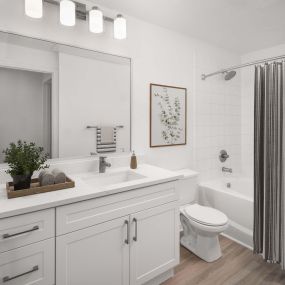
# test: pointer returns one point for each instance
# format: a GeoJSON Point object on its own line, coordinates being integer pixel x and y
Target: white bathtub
{"type": "Point", "coordinates": [236, 202]}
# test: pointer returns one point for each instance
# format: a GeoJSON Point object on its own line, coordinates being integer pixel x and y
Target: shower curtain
{"type": "Point", "coordinates": [269, 162]}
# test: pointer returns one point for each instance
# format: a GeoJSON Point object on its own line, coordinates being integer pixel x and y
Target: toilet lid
{"type": "Point", "coordinates": [206, 215]}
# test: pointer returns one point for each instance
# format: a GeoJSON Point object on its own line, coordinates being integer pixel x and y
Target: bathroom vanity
{"type": "Point", "coordinates": [118, 228]}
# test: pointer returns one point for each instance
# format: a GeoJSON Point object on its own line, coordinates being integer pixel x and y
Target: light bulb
{"type": "Point", "coordinates": [120, 28]}
{"type": "Point", "coordinates": [67, 13]}
{"type": "Point", "coordinates": [95, 20]}
{"type": "Point", "coordinates": [34, 8]}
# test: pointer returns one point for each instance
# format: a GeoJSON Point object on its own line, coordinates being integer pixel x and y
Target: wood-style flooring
{"type": "Point", "coordinates": [238, 265]}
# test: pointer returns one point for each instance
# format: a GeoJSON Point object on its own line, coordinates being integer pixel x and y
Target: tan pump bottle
{"type": "Point", "coordinates": [134, 163]}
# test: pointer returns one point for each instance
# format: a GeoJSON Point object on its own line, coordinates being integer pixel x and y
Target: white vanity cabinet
{"type": "Point", "coordinates": [31, 264]}
{"type": "Point", "coordinates": [129, 237]}
{"type": "Point", "coordinates": [134, 238]}
{"type": "Point", "coordinates": [154, 242]}
{"type": "Point", "coordinates": [25, 229]}
{"type": "Point", "coordinates": [95, 255]}
{"type": "Point", "coordinates": [27, 246]}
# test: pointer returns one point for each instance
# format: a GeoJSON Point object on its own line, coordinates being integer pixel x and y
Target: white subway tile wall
{"type": "Point", "coordinates": [218, 122]}
{"type": "Point", "coordinates": [247, 121]}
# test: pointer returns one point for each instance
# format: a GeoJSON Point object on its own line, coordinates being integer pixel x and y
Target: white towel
{"type": "Point", "coordinates": [107, 135]}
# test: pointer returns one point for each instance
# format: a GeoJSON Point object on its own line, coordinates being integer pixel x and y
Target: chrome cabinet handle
{"type": "Point", "coordinates": [7, 278]}
{"type": "Point", "coordinates": [35, 228]}
{"type": "Point", "coordinates": [128, 232]}
{"type": "Point", "coordinates": [135, 238]}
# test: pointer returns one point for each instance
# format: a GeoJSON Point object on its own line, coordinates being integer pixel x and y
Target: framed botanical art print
{"type": "Point", "coordinates": [168, 113]}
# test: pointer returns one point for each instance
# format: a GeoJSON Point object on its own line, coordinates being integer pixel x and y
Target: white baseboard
{"type": "Point", "coordinates": [237, 241]}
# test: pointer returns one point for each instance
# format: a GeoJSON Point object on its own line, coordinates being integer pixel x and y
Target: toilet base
{"type": "Point", "coordinates": [207, 248]}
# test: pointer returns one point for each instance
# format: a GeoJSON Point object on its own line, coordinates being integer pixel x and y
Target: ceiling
{"type": "Point", "coordinates": [238, 25]}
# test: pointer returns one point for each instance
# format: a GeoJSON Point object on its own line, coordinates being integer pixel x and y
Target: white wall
{"type": "Point", "coordinates": [158, 55]}
{"type": "Point", "coordinates": [247, 104]}
{"type": "Point", "coordinates": [21, 115]}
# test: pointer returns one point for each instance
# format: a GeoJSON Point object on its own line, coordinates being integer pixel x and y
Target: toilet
{"type": "Point", "coordinates": [201, 225]}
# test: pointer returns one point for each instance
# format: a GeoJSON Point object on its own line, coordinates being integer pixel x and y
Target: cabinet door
{"type": "Point", "coordinates": [154, 242]}
{"type": "Point", "coordinates": [95, 255]}
{"type": "Point", "coordinates": [31, 264]}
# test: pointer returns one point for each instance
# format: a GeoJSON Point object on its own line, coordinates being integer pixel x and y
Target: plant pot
{"type": "Point", "coordinates": [22, 181]}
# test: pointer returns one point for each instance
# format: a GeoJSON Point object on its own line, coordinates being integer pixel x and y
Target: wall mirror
{"type": "Point", "coordinates": [70, 100]}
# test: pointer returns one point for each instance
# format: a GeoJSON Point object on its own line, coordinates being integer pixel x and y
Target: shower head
{"type": "Point", "coordinates": [228, 75]}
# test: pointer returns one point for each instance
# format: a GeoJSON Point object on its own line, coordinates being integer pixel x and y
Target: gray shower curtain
{"type": "Point", "coordinates": [269, 163]}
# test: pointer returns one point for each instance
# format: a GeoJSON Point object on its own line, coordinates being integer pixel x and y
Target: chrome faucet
{"type": "Point", "coordinates": [225, 169]}
{"type": "Point", "coordinates": [103, 164]}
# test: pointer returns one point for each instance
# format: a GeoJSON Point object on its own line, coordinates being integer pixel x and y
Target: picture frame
{"type": "Point", "coordinates": [168, 115]}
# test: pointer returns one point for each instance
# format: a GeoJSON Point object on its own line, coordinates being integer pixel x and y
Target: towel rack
{"type": "Point", "coordinates": [105, 147]}
{"type": "Point", "coordinates": [97, 127]}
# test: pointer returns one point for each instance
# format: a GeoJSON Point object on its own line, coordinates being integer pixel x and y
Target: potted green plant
{"type": "Point", "coordinates": [23, 159]}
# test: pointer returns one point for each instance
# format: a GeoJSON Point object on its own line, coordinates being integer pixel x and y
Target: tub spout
{"type": "Point", "coordinates": [225, 169]}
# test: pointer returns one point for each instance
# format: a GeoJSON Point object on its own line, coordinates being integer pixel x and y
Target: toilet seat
{"type": "Point", "coordinates": [201, 228]}
{"type": "Point", "coordinates": [205, 215]}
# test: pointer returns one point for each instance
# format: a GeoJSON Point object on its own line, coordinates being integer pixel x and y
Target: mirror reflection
{"type": "Point", "coordinates": [73, 102]}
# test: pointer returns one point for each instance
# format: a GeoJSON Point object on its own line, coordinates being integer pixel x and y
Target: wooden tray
{"type": "Point", "coordinates": [36, 188]}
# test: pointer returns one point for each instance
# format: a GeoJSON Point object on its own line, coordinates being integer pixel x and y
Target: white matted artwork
{"type": "Point", "coordinates": [167, 115]}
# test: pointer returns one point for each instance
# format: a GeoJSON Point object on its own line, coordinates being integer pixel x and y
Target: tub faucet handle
{"type": "Point", "coordinates": [223, 155]}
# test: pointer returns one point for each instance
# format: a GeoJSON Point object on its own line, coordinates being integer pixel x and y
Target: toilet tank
{"type": "Point", "coordinates": [187, 186]}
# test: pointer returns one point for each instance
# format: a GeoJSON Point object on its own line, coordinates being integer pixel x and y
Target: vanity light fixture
{"type": "Point", "coordinates": [96, 20]}
{"type": "Point", "coordinates": [120, 27]}
{"type": "Point", "coordinates": [67, 13]}
{"type": "Point", "coordinates": [34, 8]}
{"type": "Point", "coordinates": [70, 10]}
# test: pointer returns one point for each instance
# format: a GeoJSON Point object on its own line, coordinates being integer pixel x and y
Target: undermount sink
{"type": "Point", "coordinates": [104, 179]}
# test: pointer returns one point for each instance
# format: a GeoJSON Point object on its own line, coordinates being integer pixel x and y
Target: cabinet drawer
{"type": "Point", "coordinates": [88, 213]}
{"type": "Point", "coordinates": [31, 264]}
{"type": "Point", "coordinates": [25, 229]}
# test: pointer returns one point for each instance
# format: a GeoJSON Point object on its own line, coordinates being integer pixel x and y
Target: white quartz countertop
{"type": "Point", "coordinates": [83, 191]}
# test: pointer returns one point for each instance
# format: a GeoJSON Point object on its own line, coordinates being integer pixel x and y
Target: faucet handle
{"type": "Point", "coordinates": [223, 155]}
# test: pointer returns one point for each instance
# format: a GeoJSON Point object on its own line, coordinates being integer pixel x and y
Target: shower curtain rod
{"type": "Point", "coordinates": [204, 76]}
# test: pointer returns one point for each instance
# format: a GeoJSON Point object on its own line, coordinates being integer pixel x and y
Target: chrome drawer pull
{"type": "Point", "coordinates": [135, 238]}
{"type": "Point", "coordinates": [128, 232]}
{"type": "Point", "coordinates": [17, 234]}
{"type": "Point", "coordinates": [7, 278]}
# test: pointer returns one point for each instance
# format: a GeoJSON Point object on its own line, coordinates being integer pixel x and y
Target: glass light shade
{"type": "Point", "coordinates": [96, 21]}
{"type": "Point", "coordinates": [67, 13]}
{"type": "Point", "coordinates": [120, 28]}
{"type": "Point", "coordinates": [34, 8]}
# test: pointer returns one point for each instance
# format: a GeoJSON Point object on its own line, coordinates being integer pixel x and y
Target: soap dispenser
{"type": "Point", "coordinates": [134, 163]}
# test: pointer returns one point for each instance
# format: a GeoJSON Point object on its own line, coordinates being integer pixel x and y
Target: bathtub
{"type": "Point", "coordinates": [236, 201]}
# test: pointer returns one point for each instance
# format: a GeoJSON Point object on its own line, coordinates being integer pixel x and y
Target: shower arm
{"type": "Point", "coordinates": [204, 76]}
